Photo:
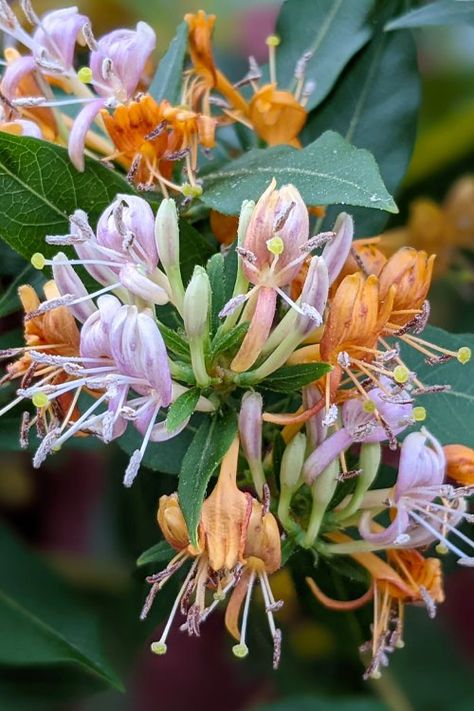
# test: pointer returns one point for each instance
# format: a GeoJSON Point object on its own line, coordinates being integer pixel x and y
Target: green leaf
{"type": "Point", "coordinates": [40, 188]}
{"type": "Point", "coordinates": [166, 83]}
{"type": "Point", "coordinates": [193, 249]}
{"type": "Point", "coordinates": [442, 12]}
{"type": "Point", "coordinates": [174, 342]}
{"type": "Point", "coordinates": [332, 30]}
{"type": "Point", "coordinates": [43, 622]}
{"type": "Point", "coordinates": [9, 301]}
{"type": "Point", "coordinates": [228, 341]}
{"type": "Point", "coordinates": [182, 408]}
{"type": "Point", "coordinates": [291, 378]}
{"type": "Point", "coordinates": [216, 274]}
{"type": "Point", "coordinates": [363, 102]}
{"type": "Point", "coordinates": [328, 171]}
{"type": "Point", "coordinates": [211, 442]}
{"type": "Point", "coordinates": [449, 414]}
{"type": "Point", "coordinates": [163, 457]}
{"type": "Point", "coordinates": [158, 553]}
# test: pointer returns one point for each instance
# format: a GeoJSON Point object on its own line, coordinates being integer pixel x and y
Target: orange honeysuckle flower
{"type": "Point", "coordinates": [357, 317]}
{"type": "Point", "coordinates": [410, 271]}
{"type": "Point", "coordinates": [149, 137]}
{"type": "Point", "coordinates": [406, 577]}
{"type": "Point", "coordinates": [238, 541]}
{"type": "Point", "coordinates": [460, 463]}
{"type": "Point", "coordinates": [366, 257]}
{"type": "Point", "coordinates": [276, 116]}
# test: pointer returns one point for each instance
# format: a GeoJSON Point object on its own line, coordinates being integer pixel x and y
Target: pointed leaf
{"type": "Point", "coordinates": [158, 553]}
{"type": "Point", "coordinates": [328, 171]}
{"type": "Point", "coordinates": [182, 408]}
{"type": "Point", "coordinates": [442, 12]}
{"type": "Point", "coordinates": [166, 83]}
{"type": "Point", "coordinates": [291, 378]}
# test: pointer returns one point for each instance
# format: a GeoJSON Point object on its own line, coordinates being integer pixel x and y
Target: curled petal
{"type": "Point", "coordinates": [332, 604]}
{"type": "Point", "coordinates": [258, 331]}
{"type": "Point", "coordinates": [68, 282]}
{"type": "Point", "coordinates": [14, 73]}
{"type": "Point", "coordinates": [388, 535]}
{"type": "Point", "coordinates": [326, 453]}
{"type": "Point", "coordinates": [336, 252]}
{"type": "Point", "coordinates": [422, 463]}
{"type": "Point", "coordinates": [235, 604]}
{"type": "Point", "coordinates": [154, 358]}
{"type": "Point", "coordinates": [129, 217]}
{"type": "Point", "coordinates": [58, 34]}
{"type": "Point", "coordinates": [80, 127]}
{"type": "Point", "coordinates": [133, 279]}
{"type": "Point", "coordinates": [95, 333]}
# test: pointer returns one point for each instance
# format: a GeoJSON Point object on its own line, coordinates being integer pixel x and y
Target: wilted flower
{"type": "Point", "coordinates": [238, 542]}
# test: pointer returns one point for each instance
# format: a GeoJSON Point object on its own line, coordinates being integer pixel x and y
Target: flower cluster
{"type": "Point", "coordinates": [155, 141]}
{"type": "Point", "coordinates": [99, 360]}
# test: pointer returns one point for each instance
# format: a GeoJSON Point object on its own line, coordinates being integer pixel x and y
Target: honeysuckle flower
{"type": "Point", "coordinates": [406, 578]}
{"type": "Point", "coordinates": [122, 255]}
{"type": "Point", "coordinates": [460, 463]}
{"type": "Point", "coordinates": [117, 64]}
{"type": "Point", "coordinates": [276, 116]}
{"type": "Point", "coordinates": [417, 518]}
{"type": "Point", "coordinates": [387, 412]}
{"type": "Point", "coordinates": [238, 543]}
{"type": "Point", "coordinates": [53, 333]}
{"type": "Point", "coordinates": [410, 271]}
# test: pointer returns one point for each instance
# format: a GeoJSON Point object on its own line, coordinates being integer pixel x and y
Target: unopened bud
{"type": "Point", "coordinates": [196, 304]}
{"type": "Point", "coordinates": [292, 462]}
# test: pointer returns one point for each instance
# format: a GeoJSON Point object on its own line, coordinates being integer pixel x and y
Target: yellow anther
{"type": "Point", "coordinates": [219, 596]}
{"type": "Point", "coordinates": [275, 245]}
{"type": "Point", "coordinates": [399, 644]}
{"type": "Point", "coordinates": [38, 260]}
{"type": "Point", "coordinates": [40, 400]}
{"type": "Point", "coordinates": [369, 406]}
{"type": "Point", "coordinates": [464, 355]}
{"type": "Point", "coordinates": [158, 648]}
{"type": "Point", "coordinates": [419, 414]}
{"type": "Point", "coordinates": [441, 549]}
{"type": "Point", "coordinates": [85, 75]}
{"type": "Point", "coordinates": [376, 674]}
{"type": "Point", "coordinates": [192, 191]}
{"type": "Point", "coordinates": [240, 650]}
{"type": "Point", "coordinates": [272, 41]}
{"type": "Point", "coordinates": [401, 374]}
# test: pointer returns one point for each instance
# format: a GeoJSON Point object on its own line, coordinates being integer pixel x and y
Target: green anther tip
{"type": "Point", "coordinates": [40, 400]}
{"type": "Point", "coordinates": [441, 549]}
{"type": "Point", "coordinates": [369, 406]}
{"type": "Point", "coordinates": [401, 374]}
{"type": "Point", "coordinates": [399, 644]}
{"type": "Point", "coordinates": [272, 41]}
{"type": "Point", "coordinates": [219, 596]}
{"type": "Point", "coordinates": [464, 355]}
{"type": "Point", "coordinates": [158, 648]}
{"type": "Point", "coordinates": [38, 260]}
{"type": "Point", "coordinates": [240, 650]}
{"type": "Point", "coordinates": [275, 245]}
{"type": "Point", "coordinates": [376, 674]}
{"type": "Point", "coordinates": [419, 414]}
{"type": "Point", "coordinates": [85, 75]}
{"type": "Point", "coordinates": [191, 191]}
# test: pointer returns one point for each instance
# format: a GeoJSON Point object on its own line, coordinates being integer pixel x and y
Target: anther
{"type": "Point", "coordinates": [38, 260]}
{"type": "Point", "coordinates": [419, 414]}
{"type": "Point", "coordinates": [240, 650]}
{"type": "Point", "coordinates": [40, 400]}
{"type": "Point", "coordinates": [275, 245]}
{"type": "Point", "coordinates": [85, 75]}
{"type": "Point", "coordinates": [464, 355]}
{"type": "Point", "coordinates": [272, 41]}
{"type": "Point", "coordinates": [401, 374]}
{"type": "Point", "coordinates": [159, 648]}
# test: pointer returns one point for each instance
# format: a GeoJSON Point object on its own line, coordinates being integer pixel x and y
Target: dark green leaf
{"type": "Point", "coordinates": [332, 30]}
{"type": "Point", "coordinates": [216, 274]}
{"type": "Point", "coordinates": [449, 414]}
{"type": "Point", "coordinates": [228, 341]}
{"type": "Point", "coordinates": [324, 703]}
{"type": "Point", "coordinates": [442, 12]}
{"type": "Point", "coordinates": [193, 248]}
{"type": "Point", "coordinates": [211, 442]}
{"type": "Point", "coordinates": [39, 189]}
{"type": "Point", "coordinates": [182, 408]}
{"type": "Point", "coordinates": [291, 378]}
{"type": "Point", "coordinates": [158, 553]}
{"type": "Point", "coordinates": [174, 341]}
{"type": "Point", "coordinates": [166, 83]}
{"type": "Point", "coordinates": [363, 102]}
{"type": "Point", "coordinates": [9, 301]}
{"type": "Point", "coordinates": [328, 171]}
{"type": "Point", "coordinates": [42, 622]}
{"type": "Point", "coordinates": [163, 457]}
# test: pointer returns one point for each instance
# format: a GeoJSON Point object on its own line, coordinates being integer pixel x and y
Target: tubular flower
{"type": "Point", "coordinates": [460, 463]}
{"type": "Point", "coordinates": [237, 542]}
{"type": "Point", "coordinates": [277, 116]}
{"type": "Point", "coordinates": [405, 578]}
{"type": "Point", "coordinates": [417, 518]}
{"type": "Point", "coordinates": [410, 271]}
{"type": "Point", "coordinates": [52, 333]}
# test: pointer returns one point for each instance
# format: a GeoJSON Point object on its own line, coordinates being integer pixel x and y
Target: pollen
{"type": "Point", "coordinates": [401, 374]}
{"type": "Point", "coordinates": [464, 355]}
{"type": "Point", "coordinates": [419, 414]}
{"type": "Point", "coordinates": [369, 406]}
{"type": "Point", "coordinates": [192, 191]}
{"type": "Point", "coordinates": [40, 400]}
{"type": "Point", "coordinates": [240, 650]}
{"type": "Point", "coordinates": [85, 75]}
{"type": "Point", "coordinates": [38, 260]}
{"type": "Point", "coordinates": [275, 245]}
{"type": "Point", "coordinates": [272, 41]}
{"type": "Point", "coordinates": [159, 648]}
{"type": "Point", "coordinates": [441, 549]}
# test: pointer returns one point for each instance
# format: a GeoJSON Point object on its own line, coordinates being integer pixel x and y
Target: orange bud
{"type": "Point", "coordinates": [276, 116]}
{"type": "Point", "coordinates": [410, 271]}
{"type": "Point", "coordinates": [171, 521]}
{"type": "Point", "coordinates": [201, 27]}
{"type": "Point", "coordinates": [460, 463]}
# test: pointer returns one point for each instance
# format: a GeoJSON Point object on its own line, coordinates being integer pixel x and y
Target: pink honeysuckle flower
{"type": "Point", "coordinates": [117, 63]}
{"type": "Point", "coordinates": [122, 256]}
{"type": "Point", "coordinates": [418, 519]}
{"type": "Point", "coordinates": [385, 414]}
{"type": "Point", "coordinates": [250, 429]}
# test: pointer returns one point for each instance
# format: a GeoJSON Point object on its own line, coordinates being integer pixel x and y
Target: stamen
{"type": "Point", "coordinates": [241, 650]}
{"type": "Point", "coordinates": [280, 220]}
{"type": "Point", "coordinates": [272, 42]}
{"type": "Point", "coordinates": [331, 416]}
{"type": "Point", "coordinates": [136, 458]}
{"type": "Point", "coordinates": [47, 445]}
{"type": "Point", "coordinates": [429, 602]}
{"type": "Point", "coordinates": [233, 304]}
{"type": "Point", "coordinates": [89, 37]}
{"type": "Point", "coordinates": [319, 240]}
{"type": "Point", "coordinates": [312, 313]}
{"type": "Point", "coordinates": [29, 13]}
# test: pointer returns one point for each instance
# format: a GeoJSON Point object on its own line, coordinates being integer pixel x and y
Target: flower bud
{"type": "Point", "coordinates": [336, 252]}
{"type": "Point", "coordinates": [292, 462]}
{"type": "Point", "coordinates": [410, 271]}
{"type": "Point", "coordinates": [171, 521]}
{"type": "Point", "coordinates": [68, 282]}
{"type": "Point", "coordinates": [167, 234]}
{"type": "Point", "coordinates": [196, 306]}
{"type": "Point", "coordinates": [128, 223]}
{"type": "Point", "coordinates": [322, 490]}
{"type": "Point", "coordinates": [250, 429]}
{"type": "Point", "coordinates": [369, 462]}
{"type": "Point", "coordinates": [460, 463]}
{"type": "Point", "coordinates": [313, 297]}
